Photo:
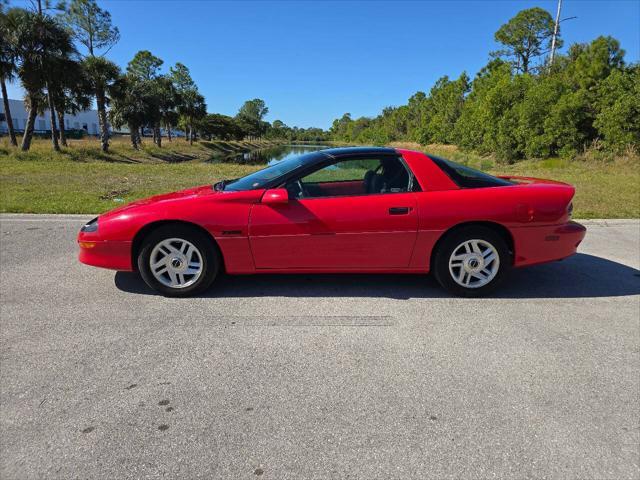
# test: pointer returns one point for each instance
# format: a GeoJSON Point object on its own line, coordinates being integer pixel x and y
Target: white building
{"type": "Point", "coordinates": [86, 120]}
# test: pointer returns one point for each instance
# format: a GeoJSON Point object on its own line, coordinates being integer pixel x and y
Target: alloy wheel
{"type": "Point", "coordinates": [474, 263]}
{"type": "Point", "coordinates": [176, 263]}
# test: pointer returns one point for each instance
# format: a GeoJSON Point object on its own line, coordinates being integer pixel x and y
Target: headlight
{"type": "Point", "coordinates": [91, 226]}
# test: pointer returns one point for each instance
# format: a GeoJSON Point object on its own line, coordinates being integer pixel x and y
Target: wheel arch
{"type": "Point", "coordinates": [146, 230]}
{"type": "Point", "coordinates": [496, 227]}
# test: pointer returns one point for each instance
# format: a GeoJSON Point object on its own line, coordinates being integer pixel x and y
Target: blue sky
{"type": "Point", "coordinates": [313, 61]}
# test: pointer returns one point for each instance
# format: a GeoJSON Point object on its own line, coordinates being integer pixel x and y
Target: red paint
{"type": "Point", "coordinates": [334, 232]}
{"type": "Point", "coordinates": [276, 196]}
{"type": "Point", "coordinates": [115, 255]}
{"type": "Point", "coordinates": [261, 231]}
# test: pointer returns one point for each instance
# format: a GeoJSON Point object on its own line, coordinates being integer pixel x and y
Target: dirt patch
{"type": "Point", "coordinates": [114, 194]}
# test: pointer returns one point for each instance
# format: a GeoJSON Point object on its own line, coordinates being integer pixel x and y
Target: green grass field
{"type": "Point", "coordinates": [83, 180]}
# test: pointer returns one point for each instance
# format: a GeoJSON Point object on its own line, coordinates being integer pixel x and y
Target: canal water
{"type": "Point", "coordinates": [271, 155]}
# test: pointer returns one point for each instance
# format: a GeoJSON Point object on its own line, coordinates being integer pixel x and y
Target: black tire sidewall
{"type": "Point", "coordinates": [208, 251]}
{"type": "Point", "coordinates": [453, 240]}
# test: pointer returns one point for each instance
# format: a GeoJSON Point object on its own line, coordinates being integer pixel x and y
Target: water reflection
{"type": "Point", "coordinates": [269, 156]}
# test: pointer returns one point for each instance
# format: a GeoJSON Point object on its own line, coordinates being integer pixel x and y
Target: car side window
{"type": "Point", "coordinates": [349, 177]}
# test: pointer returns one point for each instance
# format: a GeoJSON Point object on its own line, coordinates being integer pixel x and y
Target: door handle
{"type": "Point", "coordinates": [399, 210]}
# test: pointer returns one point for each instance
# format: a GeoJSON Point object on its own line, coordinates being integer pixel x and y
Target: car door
{"type": "Point", "coordinates": [338, 221]}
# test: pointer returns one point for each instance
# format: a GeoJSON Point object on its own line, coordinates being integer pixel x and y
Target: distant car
{"type": "Point", "coordinates": [346, 210]}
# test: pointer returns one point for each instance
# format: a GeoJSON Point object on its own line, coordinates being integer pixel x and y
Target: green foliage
{"type": "Point", "coordinates": [129, 104]}
{"type": "Point", "coordinates": [73, 89]}
{"type": "Point", "coordinates": [250, 117]}
{"type": "Point", "coordinates": [144, 65]}
{"type": "Point", "coordinates": [586, 98]}
{"type": "Point", "coordinates": [190, 105]}
{"type": "Point", "coordinates": [589, 64]}
{"type": "Point", "coordinates": [618, 118]}
{"type": "Point", "coordinates": [221, 127]}
{"type": "Point", "coordinates": [101, 73]}
{"type": "Point", "coordinates": [41, 45]}
{"type": "Point", "coordinates": [39, 50]}
{"type": "Point", "coordinates": [254, 109]}
{"type": "Point", "coordinates": [445, 105]}
{"type": "Point", "coordinates": [91, 26]}
{"type": "Point", "coordinates": [181, 78]}
{"type": "Point", "coordinates": [525, 37]}
{"type": "Point", "coordinates": [8, 54]}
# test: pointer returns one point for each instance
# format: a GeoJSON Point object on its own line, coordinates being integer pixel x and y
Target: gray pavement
{"type": "Point", "coordinates": [358, 376]}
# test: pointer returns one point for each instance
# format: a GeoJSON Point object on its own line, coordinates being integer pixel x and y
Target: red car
{"type": "Point", "coordinates": [345, 210]}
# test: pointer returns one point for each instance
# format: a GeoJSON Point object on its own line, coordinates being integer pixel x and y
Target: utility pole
{"type": "Point", "coordinates": [555, 34]}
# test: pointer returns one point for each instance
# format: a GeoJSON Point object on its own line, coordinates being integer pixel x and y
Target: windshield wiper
{"type": "Point", "coordinates": [220, 186]}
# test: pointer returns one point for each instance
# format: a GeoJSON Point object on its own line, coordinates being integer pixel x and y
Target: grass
{"type": "Point", "coordinates": [121, 151]}
{"type": "Point", "coordinates": [82, 179]}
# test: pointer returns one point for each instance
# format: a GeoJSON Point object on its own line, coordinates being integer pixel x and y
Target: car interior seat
{"type": "Point", "coordinates": [373, 182]}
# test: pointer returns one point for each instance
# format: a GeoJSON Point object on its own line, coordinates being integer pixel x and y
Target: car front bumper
{"type": "Point", "coordinates": [115, 255]}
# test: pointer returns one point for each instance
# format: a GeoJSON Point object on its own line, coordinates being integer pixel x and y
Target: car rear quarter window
{"type": "Point", "coordinates": [466, 177]}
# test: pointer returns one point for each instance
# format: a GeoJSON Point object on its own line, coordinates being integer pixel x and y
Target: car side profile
{"type": "Point", "coordinates": [341, 210]}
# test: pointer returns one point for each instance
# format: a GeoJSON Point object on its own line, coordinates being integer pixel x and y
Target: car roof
{"type": "Point", "coordinates": [347, 151]}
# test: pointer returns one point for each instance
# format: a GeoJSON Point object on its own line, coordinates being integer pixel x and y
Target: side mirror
{"type": "Point", "coordinates": [275, 196]}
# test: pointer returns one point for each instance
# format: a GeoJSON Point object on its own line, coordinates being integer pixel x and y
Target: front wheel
{"type": "Point", "coordinates": [472, 261]}
{"type": "Point", "coordinates": [178, 261]}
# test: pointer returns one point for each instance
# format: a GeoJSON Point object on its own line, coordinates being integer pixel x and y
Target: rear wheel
{"type": "Point", "coordinates": [178, 261]}
{"type": "Point", "coordinates": [472, 261]}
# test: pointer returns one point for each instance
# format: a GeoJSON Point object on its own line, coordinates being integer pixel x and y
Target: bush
{"type": "Point", "coordinates": [588, 96]}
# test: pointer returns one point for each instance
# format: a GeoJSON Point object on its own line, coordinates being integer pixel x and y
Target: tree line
{"type": "Point", "coordinates": [58, 56]}
{"type": "Point", "coordinates": [249, 123]}
{"type": "Point", "coordinates": [522, 104]}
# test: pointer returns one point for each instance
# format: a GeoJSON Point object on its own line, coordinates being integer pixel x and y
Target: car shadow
{"type": "Point", "coordinates": [577, 277]}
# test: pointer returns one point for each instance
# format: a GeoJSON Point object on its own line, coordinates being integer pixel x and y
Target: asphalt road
{"type": "Point", "coordinates": [317, 376]}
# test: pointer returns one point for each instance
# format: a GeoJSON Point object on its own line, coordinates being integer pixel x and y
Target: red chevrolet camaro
{"type": "Point", "coordinates": [341, 210]}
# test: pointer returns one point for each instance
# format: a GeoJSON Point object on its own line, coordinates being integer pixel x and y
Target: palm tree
{"type": "Point", "coordinates": [91, 26]}
{"type": "Point", "coordinates": [170, 120]}
{"type": "Point", "coordinates": [101, 73]}
{"type": "Point", "coordinates": [72, 93]}
{"type": "Point", "coordinates": [7, 66]}
{"type": "Point", "coordinates": [43, 48]}
{"type": "Point", "coordinates": [143, 70]}
{"type": "Point", "coordinates": [168, 101]}
{"type": "Point", "coordinates": [128, 106]}
{"type": "Point", "coordinates": [192, 108]}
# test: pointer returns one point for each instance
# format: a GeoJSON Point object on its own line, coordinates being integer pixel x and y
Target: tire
{"type": "Point", "coordinates": [482, 260]}
{"type": "Point", "coordinates": [187, 261]}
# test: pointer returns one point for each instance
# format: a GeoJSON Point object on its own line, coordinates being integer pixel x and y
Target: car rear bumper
{"type": "Point", "coordinates": [115, 255]}
{"type": "Point", "coordinates": [535, 245]}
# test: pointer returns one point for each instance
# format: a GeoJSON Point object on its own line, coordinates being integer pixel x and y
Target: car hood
{"type": "Point", "coordinates": [165, 197]}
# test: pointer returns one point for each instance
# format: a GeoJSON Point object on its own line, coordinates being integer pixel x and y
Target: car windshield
{"type": "Point", "coordinates": [263, 177]}
{"type": "Point", "coordinates": [466, 177]}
